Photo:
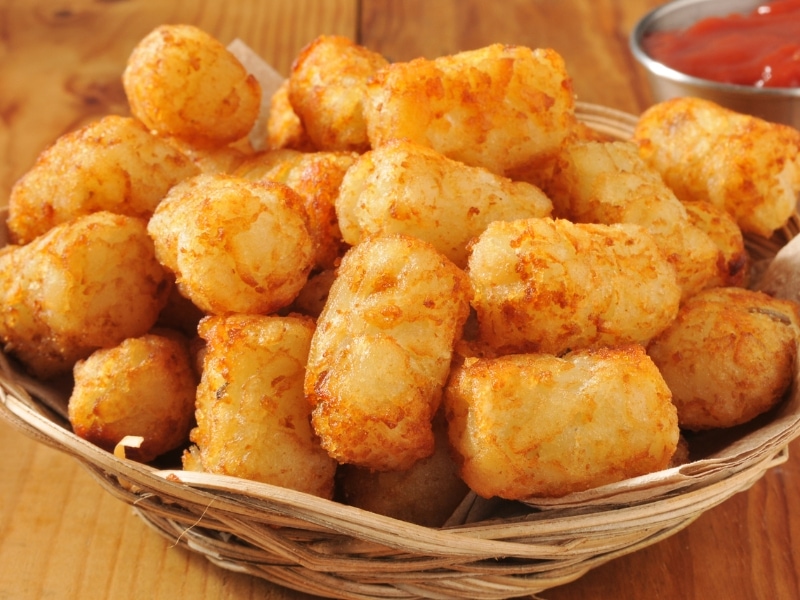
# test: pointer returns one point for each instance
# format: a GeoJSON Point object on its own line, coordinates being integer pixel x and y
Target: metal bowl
{"type": "Point", "coordinates": [781, 105]}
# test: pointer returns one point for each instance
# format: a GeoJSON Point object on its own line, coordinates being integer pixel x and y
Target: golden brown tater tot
{"type": "Point", "coordinates": [143, 387]}
{"type": "Point", "coordinates": [85, 284]}
{"type": "Point", "coordinates": [113, 164]}
{"type": "Point", "coordinates": [530, 425]}
{"type": "Point", "coordinates": [728, 356]}
{"type": "Point", "coordinates": [327, 87]}
{"type": "Point", "coordinates": [545, 285]}
{"type": "Point", "coordinates": [183, 83]}
{"type": "Point", "coordinates": [234, 245]}
{"type": "Point", "coordinates": [252, 416]}
{"type": "Point", "coordinates": [381, 352]}
{"type": "Point", "coordinates": [748, 166]}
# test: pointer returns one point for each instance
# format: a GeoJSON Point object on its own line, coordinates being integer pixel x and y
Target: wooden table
{"type": "Point", "coordinates": [62, 537]}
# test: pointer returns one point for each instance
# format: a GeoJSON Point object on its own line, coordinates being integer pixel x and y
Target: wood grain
{"type": "Point", "coordinates": [63, 537]}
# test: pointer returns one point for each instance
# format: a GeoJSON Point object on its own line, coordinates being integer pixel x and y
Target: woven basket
{"type": "Point", "coordinates": [488, 549]}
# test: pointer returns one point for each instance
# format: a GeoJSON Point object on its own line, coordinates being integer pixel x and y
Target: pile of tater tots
{"type": "Point", "coordinates": [430, 277]}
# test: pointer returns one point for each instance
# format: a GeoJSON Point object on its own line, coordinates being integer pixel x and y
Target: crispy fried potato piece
{"type": "Point", "coordinates": [113, 164]}
{"type": "Point", "coordinates": [86, 284]}
{"type": "Point", "coordinates": [733, 260]}
{"type": "Point", "coordinates": [327, 87]}
{"type": "Point", "coordinates": [530, 425]}
{"type": "Point", "coordinates": [252, 417]}
{"type": "Point", "coordinates": [144, 387]}
{"type": "Point", "coordinates": [500, 107]}
{"type": "Point", "coordinates": [381, 352]}
{"type": "Point", "coordinates": [284, 128]}
{"type": "Point", "coordinates": [317, 177]}
{"type": "Point", "coordinates": [427, 493]}
{"type": "Point", "coordinates": [748, 166]}
{"type": "Point", "coordinates": [728, 357]}
{"type": "Point", "coordinates": [406, 188]}
{"type": "Point", "coordinates": [545, 285]}
{"type": "Point", "coordinates": [234, 245]}
{"type": "Point", "coordinates": [183, 83]}
{"type": "Point", "coordinates": [608, 182]}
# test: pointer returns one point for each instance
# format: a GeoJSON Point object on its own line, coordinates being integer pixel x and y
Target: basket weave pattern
{"type": "Point", "coordinates": [489, 549]}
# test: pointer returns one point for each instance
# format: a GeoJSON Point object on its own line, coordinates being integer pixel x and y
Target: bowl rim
{"type": "Point", "coordinates": [646, 24]}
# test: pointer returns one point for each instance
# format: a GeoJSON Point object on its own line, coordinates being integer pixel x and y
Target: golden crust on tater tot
{"type": "Point", "coordinates": [183, 83]}
{"type": "Point", "coordinates": [748, 166]}
{"type": "Point", "coordinates": [113, 164]}
{"type": "Point", "coordinates": [316, 177]}
{"type": "Point", "coordinates": [728, 356]}
{"type": "Point", "coordinates": [406, 188]}
{"type": "Point", "coordinates": [252, 416]}
{"type": "Point", "coordinates": [499, 107]}
{"type": "Point", "coordinates": [234, 245]}
{"type": "Point", "coordinates": [608, 182]}
{"type": "Point", "coordinates": [144, 387]}
{"type": "Point", "coordinates": [86, 284]}
{"type": "Point", "coordinates": [531, 425]}
{"type": "Point", "coordinates": [327, 87]}
{"type": "Point", "coordinates": [545, 285]}
{"type": "Point", "coordinates": [382, 350]}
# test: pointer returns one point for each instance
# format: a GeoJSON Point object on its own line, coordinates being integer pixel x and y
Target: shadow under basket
{"type": "Point", "coordinates": [488, 548]}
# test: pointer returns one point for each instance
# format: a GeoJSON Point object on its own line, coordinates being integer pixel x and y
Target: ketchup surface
{"type": "Point", "coordinates": [761, 48]}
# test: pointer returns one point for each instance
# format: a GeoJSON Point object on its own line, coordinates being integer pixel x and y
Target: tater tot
{"type": "Point", "coordinates": [143, 387]}
{"type": "Point", "coordinates": [252, 416]}
{"type": "Point", "coordinates": [748, 166]}
{"type": "Point", "coordinates": [720, 226]}
{"type": "Point", "coordinates": [609, 182]}
{"type": "Point", "coordinates": [427, 493]}
{"type": "Point", "coordinates": [728, 357]}
{"type": "Point", "coordinates": [183, 83]}
{"type": "Point", "coordinates": [327, 87]}
{"type": "Point", "coordinates": [86, 284]}
{"type": "Point", "coordinates": [381, 352]}
{"type": "Point", "coordinates": [316, 177]}
{"type": "Point", "coordinates": [545, 285]}
{"type": "Point", "coordinates": [498, 107]}
{"type": "Point", "coordinates": [284, 128]}
{"type": "Point", "coordinates": [530, 425]}
{"type": "Point", "coordinates": [234, 245]}
{"type": "Point", "coordinates": [406, 188]}
{"type": "Point", "coordinates": [113, 164]}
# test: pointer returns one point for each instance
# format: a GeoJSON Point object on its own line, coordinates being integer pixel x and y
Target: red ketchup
{"type": "Point", "coordinates": [761, 48]}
